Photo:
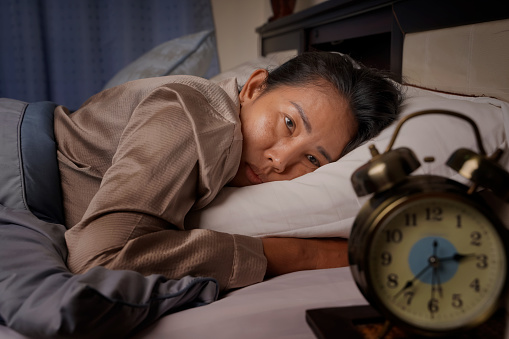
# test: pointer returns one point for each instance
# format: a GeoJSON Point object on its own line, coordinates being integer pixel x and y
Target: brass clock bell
{"type": "Point", "coordinates": [426, 251]}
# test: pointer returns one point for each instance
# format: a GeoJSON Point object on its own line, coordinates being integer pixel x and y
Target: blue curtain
{"type": "Point", "coordinates": [66, 50]}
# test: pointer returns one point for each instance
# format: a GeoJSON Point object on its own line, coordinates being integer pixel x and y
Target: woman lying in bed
{"type": "Point", "coordinates": [136, 158]}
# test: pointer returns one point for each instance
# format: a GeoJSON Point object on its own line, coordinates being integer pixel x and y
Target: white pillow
{"type": "Point", "coordinates": [324, 204]}
{"type": "Point", "coordinates": [244, 70]}
{"type": "Point", "coordinates": [190, 55]}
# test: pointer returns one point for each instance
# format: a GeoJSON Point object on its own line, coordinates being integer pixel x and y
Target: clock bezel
{"type": "Point", "coordinates": [381, 205]}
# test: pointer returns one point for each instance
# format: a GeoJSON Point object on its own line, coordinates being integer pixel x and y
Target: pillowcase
{"type": "Point", "coordinates": [244, 70]}
{"type": "Point", "coordinates": [324, 204]}
{"type": "Point", "coordinates": [190, 55]}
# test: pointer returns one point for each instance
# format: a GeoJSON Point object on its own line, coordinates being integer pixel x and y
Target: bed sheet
{"type": "Point", "coordinates": [272, 309]}
{"type": "Point", "coordinates": [275, 308]}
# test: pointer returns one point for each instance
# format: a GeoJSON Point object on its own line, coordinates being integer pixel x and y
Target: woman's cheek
{"type": "Point", "coordinates": [293, 172]}
{"type": "Point", "coordinates": [301, 169]}
{"type": "Point", "coordinates": [263, 131]}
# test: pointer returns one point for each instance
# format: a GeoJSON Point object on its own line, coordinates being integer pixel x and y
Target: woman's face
{"type": "Point", "coordinates": [290, 131]}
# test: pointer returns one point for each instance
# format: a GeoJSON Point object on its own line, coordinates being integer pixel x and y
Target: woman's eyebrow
{"type": "Point", "coordinates": [324, 153]}
{"type": "Point", "coordinates": [303, 116]}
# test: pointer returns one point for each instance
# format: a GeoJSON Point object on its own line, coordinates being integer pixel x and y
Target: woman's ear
{"type": "Point", "coordinates": [253, 86]}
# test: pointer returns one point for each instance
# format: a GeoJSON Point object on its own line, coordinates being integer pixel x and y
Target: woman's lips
{"type": "Point", "coordinates": [252, 176]}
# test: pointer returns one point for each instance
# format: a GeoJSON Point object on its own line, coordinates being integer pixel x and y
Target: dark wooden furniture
{"type": "Point", "coordinates": [372, 31]}
{"type": "Point", "coordinates": [364, 322]}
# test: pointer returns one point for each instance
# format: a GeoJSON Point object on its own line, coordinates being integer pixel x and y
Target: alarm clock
{"type": "Point", "coordinates": [426, 251]}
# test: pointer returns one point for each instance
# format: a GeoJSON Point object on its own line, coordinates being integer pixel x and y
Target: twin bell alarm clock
{"type": "Point", "coordinates": [426, 251]}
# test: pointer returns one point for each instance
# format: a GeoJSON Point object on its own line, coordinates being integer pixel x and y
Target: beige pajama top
{"type": "Point", "coordinates": [134, 159]}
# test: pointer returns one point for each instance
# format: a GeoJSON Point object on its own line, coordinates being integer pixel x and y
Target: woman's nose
{"type": "Point", "coordinates": [277, 164]}
{"type": "Point", "coordinates": [280, 157]}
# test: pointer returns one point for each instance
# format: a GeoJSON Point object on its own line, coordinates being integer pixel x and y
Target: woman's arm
{"type": "Point", "coordinates": [285, 255]}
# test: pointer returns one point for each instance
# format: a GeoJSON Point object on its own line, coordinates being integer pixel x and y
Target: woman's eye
{"type": "Point", "coordinates": [289, 123]}
{"type": "Point", "coordinates": [313, 160]}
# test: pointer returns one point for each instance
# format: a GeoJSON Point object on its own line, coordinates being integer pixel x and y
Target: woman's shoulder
{"type": "Point", "coordinates": [216, 93]}
{"type": "Point", "coordinates": [222, 97]}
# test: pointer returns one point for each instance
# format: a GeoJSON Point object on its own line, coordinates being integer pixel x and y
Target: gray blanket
{"type": "Point", "coordinates": [39, 297]}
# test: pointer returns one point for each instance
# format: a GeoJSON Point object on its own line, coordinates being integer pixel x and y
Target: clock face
{"type": "Point", "coordinates": [436, 263]}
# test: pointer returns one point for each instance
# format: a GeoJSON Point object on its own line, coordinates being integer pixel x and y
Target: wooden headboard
{"type": "Point", "coordinates": [372, 31]}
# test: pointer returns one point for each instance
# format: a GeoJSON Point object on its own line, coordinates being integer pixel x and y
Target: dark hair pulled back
{"type": "Point", "coordinates": [373, 97]}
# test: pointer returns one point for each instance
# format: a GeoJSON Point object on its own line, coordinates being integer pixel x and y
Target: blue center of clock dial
{"type": "Point", "coordinates": [430, 262]}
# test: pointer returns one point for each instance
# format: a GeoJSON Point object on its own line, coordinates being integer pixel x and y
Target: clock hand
{"type": "Point", "coordinates": [458, 257]}
{"type": "Point", "coordinates": [437, 276]}
{"type": "Point", "coordinates": [436, 263]}
{"type": "Point", "coordinates": [410, 283]}
{"type": "Point", "coordinates": [431, 301]}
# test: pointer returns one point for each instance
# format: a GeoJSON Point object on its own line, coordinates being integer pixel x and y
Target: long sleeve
{"type": "Point", "coordinates": [141, 172]}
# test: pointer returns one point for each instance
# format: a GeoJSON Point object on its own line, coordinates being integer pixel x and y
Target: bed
{"type": "Point", "coordinates": [462, 68]}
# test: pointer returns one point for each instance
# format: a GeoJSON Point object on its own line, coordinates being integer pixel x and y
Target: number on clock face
{"type": "Point", "coordinates": [436, 263]}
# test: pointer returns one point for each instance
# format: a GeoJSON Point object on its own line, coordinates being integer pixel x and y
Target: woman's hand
{"type": "Point", "coordinates": [285, 255]}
